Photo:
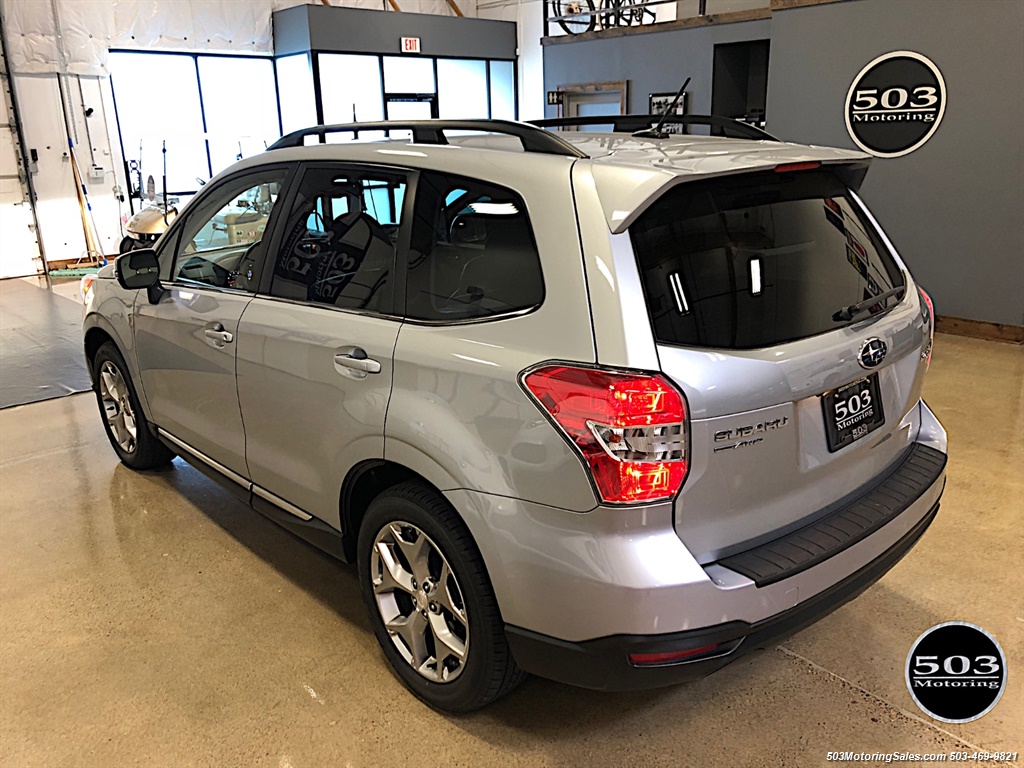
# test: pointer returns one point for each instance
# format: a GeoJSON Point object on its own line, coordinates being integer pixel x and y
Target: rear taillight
{"type": "Point", "coordinates": [630, 428]}
{"type": "Point", "coordinates": [928, 312]}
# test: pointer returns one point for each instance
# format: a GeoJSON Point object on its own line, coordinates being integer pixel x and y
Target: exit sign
{"type": "Point", "coordinates": [410, 45]}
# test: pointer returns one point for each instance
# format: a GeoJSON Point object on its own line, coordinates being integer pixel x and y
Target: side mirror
{"type": "Point", "coordinates": [140, 269]}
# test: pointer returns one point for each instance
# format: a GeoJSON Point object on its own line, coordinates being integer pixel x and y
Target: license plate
{"type": "Point", "coordinates": [852, 411]}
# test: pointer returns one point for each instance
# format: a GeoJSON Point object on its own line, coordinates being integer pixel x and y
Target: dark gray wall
{"type": "Point", "coordinates": [357, 30]}
{"type": "Point", "coordinates": [652, 63]}
{"type": "Point", "coordinates": [955, 207]}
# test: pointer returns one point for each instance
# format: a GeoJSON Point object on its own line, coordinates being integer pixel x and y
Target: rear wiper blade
{"type": "Point", "coordinates": [850, 312]}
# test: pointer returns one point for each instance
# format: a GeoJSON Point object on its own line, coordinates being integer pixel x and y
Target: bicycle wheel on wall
{"type": "Point", "coordinates": [581, 13]}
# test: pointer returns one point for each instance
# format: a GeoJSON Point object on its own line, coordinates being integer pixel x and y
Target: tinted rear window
{"type": "Point", "coordinates": [760, 259]}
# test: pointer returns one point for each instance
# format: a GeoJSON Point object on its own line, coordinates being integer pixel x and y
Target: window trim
{"type": "Point", "coordinates": [172, 237]}
{"type": "Point", "coordinates": [512, 313]}
{"type": "Point", "coordinates": [391, 310]}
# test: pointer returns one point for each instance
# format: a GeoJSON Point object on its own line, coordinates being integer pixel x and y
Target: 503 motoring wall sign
{"type": "Point", "coordinates": [895, 104]}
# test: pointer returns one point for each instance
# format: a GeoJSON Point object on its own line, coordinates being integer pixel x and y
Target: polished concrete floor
{"type": "Point", "coordinates": [151, 619]}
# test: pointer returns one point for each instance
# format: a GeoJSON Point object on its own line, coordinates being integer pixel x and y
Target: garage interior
{"type": "Point", "coordinates": [152, 618]}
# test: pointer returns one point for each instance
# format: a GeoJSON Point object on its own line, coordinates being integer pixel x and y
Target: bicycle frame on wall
{"type": "Point", "coordinates": [577, 17]}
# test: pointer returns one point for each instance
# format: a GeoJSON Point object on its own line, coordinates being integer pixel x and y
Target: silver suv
{"type": "Point", "coordinates": [609, 410]}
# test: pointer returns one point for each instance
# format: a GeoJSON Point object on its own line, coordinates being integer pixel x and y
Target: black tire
{"type": "Point", "coordinates": [127, 244]}
{"type": "Point", "coordinates": [145, 451]}
{"type": "Point", "coordinates": [489, 671]}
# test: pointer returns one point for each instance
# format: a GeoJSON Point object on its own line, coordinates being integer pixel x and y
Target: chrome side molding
{"type": "Point", "coordinates": [263, 493]}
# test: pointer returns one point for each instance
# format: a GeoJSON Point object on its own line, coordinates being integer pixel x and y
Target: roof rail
{"type": "Point", "coordinates": [533, 139]}
{"type": "Point", "coordinates": [726, 126]}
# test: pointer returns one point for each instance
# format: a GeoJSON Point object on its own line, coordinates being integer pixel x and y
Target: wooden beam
{"type": "Point", "coordinates": [979, 329]}
{"type": "Point", "coordinates": [454, 7]}
{"type": "Point", "coordinates": [394, 6]}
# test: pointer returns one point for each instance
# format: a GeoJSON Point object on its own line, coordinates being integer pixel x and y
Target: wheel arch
{"type": "Point", "coordinates": [362, 485]}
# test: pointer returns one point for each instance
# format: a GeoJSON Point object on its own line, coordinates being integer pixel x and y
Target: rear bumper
{"type": "Point", "coordinates": [604, 663]}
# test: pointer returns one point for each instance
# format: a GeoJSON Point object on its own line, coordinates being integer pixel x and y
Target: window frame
{"type": "Point", "coordinates": [404, 265]}
{"type": "Point", "coordinates": [394, 305]}
{"type": "Point", "coordinates": [168, 247]}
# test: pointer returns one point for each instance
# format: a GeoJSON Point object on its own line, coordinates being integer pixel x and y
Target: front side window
{"type": "Point", "coordinates": [760, 259]}
{"type": "Point", "coordinates": [220, 238]}
{"type": "Point", "coordinates": [340, 237]}
{"type": "Point", "coordinates": [472, 254]}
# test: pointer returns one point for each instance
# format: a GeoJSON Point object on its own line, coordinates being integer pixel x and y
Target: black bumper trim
{"type": "Point", "coordinates": [603, 663]}
{"type": "Point", "coordinates": [827, 537]}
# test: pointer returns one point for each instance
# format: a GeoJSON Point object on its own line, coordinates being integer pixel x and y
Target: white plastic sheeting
{"type": "Point", "coordinates": [91, 27]}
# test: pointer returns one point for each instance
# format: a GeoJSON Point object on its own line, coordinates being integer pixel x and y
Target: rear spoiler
{"type": "Point", "coordinates": [625, 194]}
{"type": "Point", "coordinates": [720, 126]}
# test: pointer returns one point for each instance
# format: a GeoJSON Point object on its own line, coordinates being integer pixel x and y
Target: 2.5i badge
{"type": "Point", "coordinates": [895, 104]}
{"type": "Point", "coordinates": [956, 672]}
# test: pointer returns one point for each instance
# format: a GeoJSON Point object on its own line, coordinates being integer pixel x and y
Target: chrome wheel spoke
{"type": "Point", "coordinates": [446, 642]}
{"type": "Point", "coordinates": [392, 574]}
{"type": "Point", "coordinates": [449, 598]}
{"type": "Point", "coordinates": [412, 630]}
{"type": "Point", "coordinates": [417, 552]}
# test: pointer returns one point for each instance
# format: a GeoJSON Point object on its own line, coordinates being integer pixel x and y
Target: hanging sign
{"type": "Point", "coordinates": [410, 45]}
{"type": "Point", "coordinates": [895, 104]}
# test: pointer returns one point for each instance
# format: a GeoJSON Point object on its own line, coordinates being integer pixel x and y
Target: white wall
{"type": "Point", "coordinates": [89, 28]}
{"type": "Point", "coordinates": [529, 18]}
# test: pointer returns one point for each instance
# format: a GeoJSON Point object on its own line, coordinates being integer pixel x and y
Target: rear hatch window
{"type": "Point", "coordinates": [760, 259]}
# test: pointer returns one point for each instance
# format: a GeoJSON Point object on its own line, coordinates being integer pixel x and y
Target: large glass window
{"type": "Point", "coordinates": [340, 237]}
{"type": "Point", "coordinates": [503, 90]}
{"type": "Point", "coordinates": [157, 97]}
{"type": "Point", "coordinates": [298, 100]}
{"type": "Point", "coordinates": [472, 253]}
{"type": "Point", "coordinates": [241, 112]}
{"type": "Point", "coordinates": [408, 74]}
{"type": "Point", "coordinates": [218, 240]}
{"type": "Point", "coordinates": [462, 88]}
{"type": "Point", "coordinates": [759, 259]}
{"type": "Point", "coordinates": [351, 88]}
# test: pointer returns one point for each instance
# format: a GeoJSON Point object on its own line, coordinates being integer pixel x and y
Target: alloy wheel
{"type": "Point", "coordinates": [117, 407]}
{"type": "Point", "coordinates": [420, 601]}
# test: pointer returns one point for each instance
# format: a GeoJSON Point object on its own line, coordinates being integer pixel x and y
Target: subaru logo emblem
{"type": "Point", "coordinates": [872, 353]}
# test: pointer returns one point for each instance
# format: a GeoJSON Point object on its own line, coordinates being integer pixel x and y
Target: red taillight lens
{"type": "Point", "coordinates": [631, 428]}
{"type": "Point", "coordinates": [928, 309]}
{"type": "Point", "coordinates": [792, 167]}
{"type": "Point", "coordinates": [654, 659]}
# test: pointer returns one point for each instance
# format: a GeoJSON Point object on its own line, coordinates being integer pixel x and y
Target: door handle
{"type": "Point", "coordinates": [357, 361]}
{"type": "Point", "coordinates": [217, 333]}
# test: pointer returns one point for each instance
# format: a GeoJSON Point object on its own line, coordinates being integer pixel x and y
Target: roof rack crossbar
{"type": "Point", "coordinates": [729, 127]}
{"type": "Point", "coordinates": [533, 138]}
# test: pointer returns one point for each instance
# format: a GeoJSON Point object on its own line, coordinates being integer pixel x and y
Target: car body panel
{"type": "Point", "coordinates": [188, 377]}
{"type": "Point", "coordinates": [309, 420]}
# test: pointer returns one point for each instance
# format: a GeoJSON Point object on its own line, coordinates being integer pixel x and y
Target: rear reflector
{"type": "Point", "coordinates": [630, 428]}
{"type": "Point", "coordinates": [790, 167]}
{"type": "Point", "coordinates": [651, 659]}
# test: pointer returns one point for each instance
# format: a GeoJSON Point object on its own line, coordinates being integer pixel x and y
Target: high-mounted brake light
{"type": "Point", "coordinates": [791, 167]}
{"type": "Point", "coordinates": [928, 310]}
{"type": "Point", "coordinates": [630, 428]}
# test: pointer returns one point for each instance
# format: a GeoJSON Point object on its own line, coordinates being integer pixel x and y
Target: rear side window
{"type": "Point", "coordinates": [760, 259]}
{"type": "Point", "coordinates": [472, 254]}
